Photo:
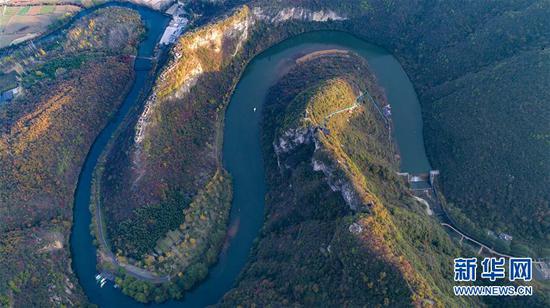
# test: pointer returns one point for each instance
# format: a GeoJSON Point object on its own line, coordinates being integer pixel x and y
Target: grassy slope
{"type": "Point", "coordinates": [45, 135]}
{"type": "Point", "coordinates": [306, 254]}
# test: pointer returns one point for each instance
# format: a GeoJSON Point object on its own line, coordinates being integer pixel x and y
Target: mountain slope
{"type": "Point", "coordinates": [340, 228]}
{"type": "Point", "coordinates": [70, 86]}
{"type": "Point", "coordinates": [448, 47]}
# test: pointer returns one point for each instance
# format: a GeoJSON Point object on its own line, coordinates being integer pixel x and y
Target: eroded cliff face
{"type": "Point", "coordinates": [200, 53]}
{"type": "Point", "coordinates": [293, 138]}
{"type": "Point", "coordinates": [333, 197]}
{"type": "Point", "coordinates": [330, 101]}
{"type": "Point", "coordinates": [205, 50]}
{"type": "Point", "coordinates": [174, 153]}
{"type": "Point", "coordinates": [295, 13]}
{"type": "Point", "coordinates": [160, 5]}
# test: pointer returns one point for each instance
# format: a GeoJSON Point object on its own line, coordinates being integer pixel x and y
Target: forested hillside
{"type": "Point", "coordinates": [70, 85]}
{"type": "Point", "coordinates": [481, 71]}
{"type": "Point", "coordinates": [179, 130]}
{"type": "Point", "coordinates": [502, 134]}
{"type": "Point", "coordinates": [164, 192]}
{"type": "Point", "coordinates": [340, 230]}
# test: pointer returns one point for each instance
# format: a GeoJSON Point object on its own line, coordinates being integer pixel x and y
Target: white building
{"type": "Point", "coordinates": [177, 24]}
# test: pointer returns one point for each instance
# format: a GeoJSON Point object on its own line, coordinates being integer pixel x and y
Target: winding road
{"type": "Point", "coordinates": [355, 105]}
{"type": "Point", "coordinates": [130, 269]}
{"type": "Point", "coordinates": [241, 154]}
{"type": "Point", "coordinates": [447, 221]}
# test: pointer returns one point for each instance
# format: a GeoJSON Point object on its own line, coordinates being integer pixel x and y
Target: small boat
{"type": "Point", "coordinates": [102, 283]}
{"type": "Point", "coordinates": [254, 109]}
{"type": "Point", "coordinates": [97, 277]}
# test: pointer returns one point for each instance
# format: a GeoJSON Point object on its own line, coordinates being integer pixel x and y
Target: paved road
{"type": "Point", "coordinates": [447, 222]}
{"type": "Point", "coordinates": [130, 269]}
{"type": "Point", "coordinates": [355, 105]}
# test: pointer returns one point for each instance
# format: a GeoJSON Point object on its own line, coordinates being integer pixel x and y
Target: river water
{"type": "Point", "coordinates": [81, 242]}
{"type": "Point", "coordinates": [242, 157]}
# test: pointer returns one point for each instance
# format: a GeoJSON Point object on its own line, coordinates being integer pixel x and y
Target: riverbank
{"type": "Point", "coordinates": [107, 259]}
{"type": "Point", "coordinates": [245, 233]}
{"type": "Point", "coordinates": [329, 192]}
{"type": "Point", "coordinates": [68, 91]}
{"type": "Point", "coordinates": [82, 247]}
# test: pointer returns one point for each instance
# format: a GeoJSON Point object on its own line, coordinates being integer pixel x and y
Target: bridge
{"type": "Point", "coordinates": [143, 58]}
{"type": "Point", "coordinates": [142, 63]}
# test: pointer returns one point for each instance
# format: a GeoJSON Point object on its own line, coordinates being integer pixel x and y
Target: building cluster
{"type": "Point", "coordinates": [177, 24]}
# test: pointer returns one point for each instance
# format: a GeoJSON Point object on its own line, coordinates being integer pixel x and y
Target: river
{"type": "Point", "coordinates": [242, 157]}
{"type": "Point", "coordinates": [83, 251]}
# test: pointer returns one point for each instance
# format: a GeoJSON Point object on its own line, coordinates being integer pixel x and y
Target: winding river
{"type": "Point", "coordinates": [242, 155]}
{"type": "Point", "coordinates": [83, 250]}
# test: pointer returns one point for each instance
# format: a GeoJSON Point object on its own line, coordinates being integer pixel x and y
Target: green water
{"type": "Point", "coordinates": [242, 157]}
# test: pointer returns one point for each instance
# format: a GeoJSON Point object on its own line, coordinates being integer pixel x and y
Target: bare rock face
{"type": "Point", "coordinates": [293, 138]}
{"type": "Point", "coordinates": [338, 183]}
{"type": "Point", "coordinates": [295, 13]}
{"type": "Point", "coordinates": [160, 5]}
{"type": "Point", "coordinates": [223, 40]}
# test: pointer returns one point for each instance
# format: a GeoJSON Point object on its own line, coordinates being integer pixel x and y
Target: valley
{"type": "Point", "coordinates": [44, 141]}
{"type": "Point", "coordinates": [271, 156]}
